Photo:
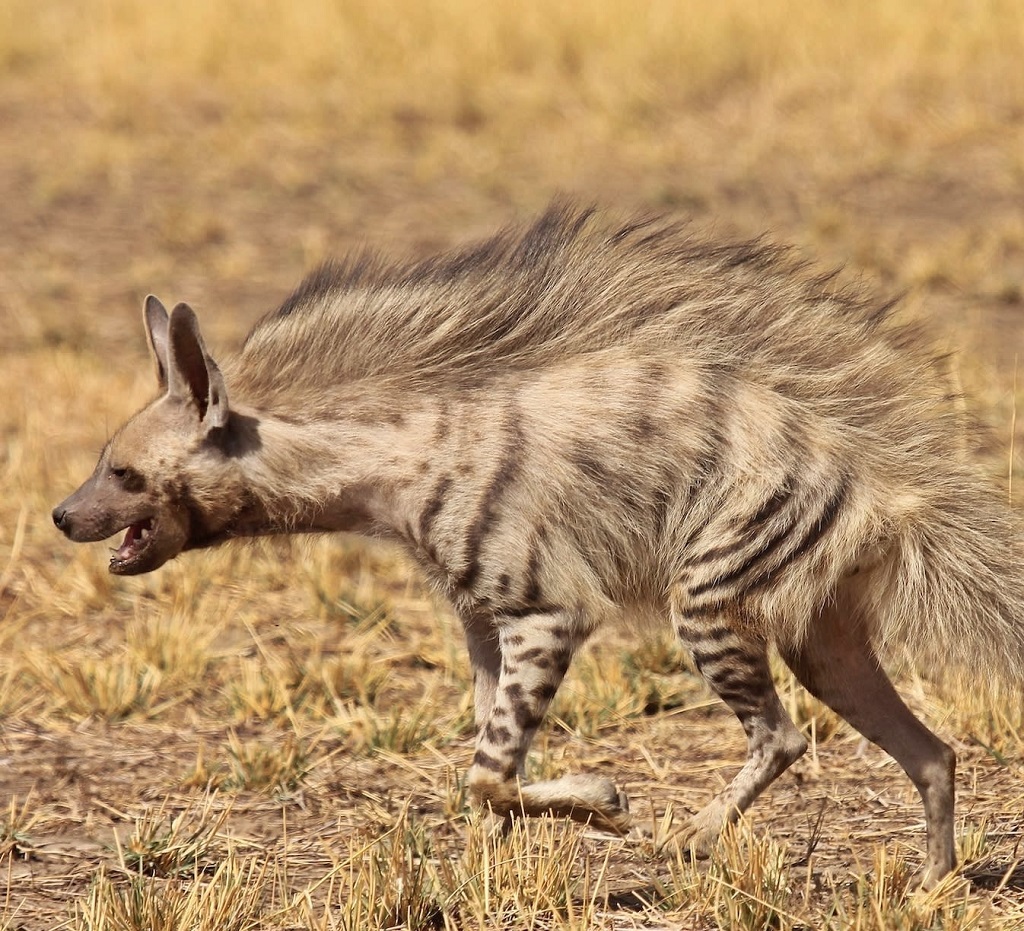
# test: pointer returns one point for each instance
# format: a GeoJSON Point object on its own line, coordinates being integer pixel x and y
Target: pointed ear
{"type": "Point", "coordinates": [155, 317]}
{"type": "Point", "coordinates": [192, 375]}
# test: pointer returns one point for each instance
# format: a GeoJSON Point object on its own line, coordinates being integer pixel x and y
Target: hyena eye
{"type": "Point", "coordinates": [130, 479]}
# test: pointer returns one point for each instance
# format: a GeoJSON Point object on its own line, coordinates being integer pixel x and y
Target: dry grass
{"type": "Point", "coordinates": [276, 735]}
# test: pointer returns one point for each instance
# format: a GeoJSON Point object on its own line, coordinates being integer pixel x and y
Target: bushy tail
{"type": "Point", "coordinates": [953, 589]}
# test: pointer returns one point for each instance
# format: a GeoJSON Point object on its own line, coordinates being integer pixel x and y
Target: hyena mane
{"type": "Point", "coordinates": [587, 417]}
{"type": "Point", "coordinates": [863, 406]}
{"type": "Point", "coordinates": [576, 282]}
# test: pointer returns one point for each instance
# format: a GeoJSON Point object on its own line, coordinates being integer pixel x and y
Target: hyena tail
{"type": "Point", "coordinates": [952, 589]}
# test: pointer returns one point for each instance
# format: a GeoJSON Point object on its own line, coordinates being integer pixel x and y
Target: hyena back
{"type": "Point", "coordinates": [583, 420]}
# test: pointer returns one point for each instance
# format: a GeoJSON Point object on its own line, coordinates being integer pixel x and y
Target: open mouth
{"type": "Point", "coordinates": [136, 542]}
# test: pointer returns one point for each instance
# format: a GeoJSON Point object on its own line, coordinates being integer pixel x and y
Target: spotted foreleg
{"type": "Point", "coordinates": [536, 651]}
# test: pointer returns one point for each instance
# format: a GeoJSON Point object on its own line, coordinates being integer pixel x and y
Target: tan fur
{"type": "Point", "coordinates": [586, 418]}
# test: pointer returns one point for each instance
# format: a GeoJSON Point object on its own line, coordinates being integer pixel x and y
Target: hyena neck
{"type": "Point", "coordinates": [303, 473]}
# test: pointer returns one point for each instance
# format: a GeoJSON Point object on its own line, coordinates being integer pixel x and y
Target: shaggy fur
{"type": "Point", "coordinates": [585, 419]}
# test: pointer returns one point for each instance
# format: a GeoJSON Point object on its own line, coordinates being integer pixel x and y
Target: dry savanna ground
{"type": "Point", "coordinates": [276, 735]}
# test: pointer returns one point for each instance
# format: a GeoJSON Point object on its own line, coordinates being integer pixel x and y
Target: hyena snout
{"type": "Point", "coordinates": [154, 530]}
{"type": "Point", "coordinates": [68, 519]}
{"type": "Point", "coordinates": [88, 515]}
{"type": "Point", "coordinates": [62, 519]}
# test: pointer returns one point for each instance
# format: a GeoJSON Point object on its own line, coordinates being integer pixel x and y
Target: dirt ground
{"type": "Point", "coordinates": [123, 700]}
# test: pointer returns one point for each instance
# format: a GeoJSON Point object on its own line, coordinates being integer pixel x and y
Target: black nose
{"type": "Point", "coordinates": [60, 517]}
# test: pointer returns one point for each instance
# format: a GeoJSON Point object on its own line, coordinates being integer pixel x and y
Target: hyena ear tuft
{"type": "Point", "coordinates": [192, 375]}
{"type": "Point", "coordinates": [156, 320]}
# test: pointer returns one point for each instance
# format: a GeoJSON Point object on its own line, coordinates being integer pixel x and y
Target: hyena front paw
{"type": "Point", "coordinates": [615, 811]}
{"type": "Point", "coordinates": [607, 804]}
{"type": "Point", "coordinates": [589, 799]}
{"type": "Point", "coordinates": [609, 796]}
{"type": "Point", "coordinates": [934, 871]}
{"type": "Point", "coordinates": [613, 817]}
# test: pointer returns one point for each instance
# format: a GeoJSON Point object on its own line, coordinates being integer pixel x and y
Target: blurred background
{"type": "Point", "coordinates": [213, 151]}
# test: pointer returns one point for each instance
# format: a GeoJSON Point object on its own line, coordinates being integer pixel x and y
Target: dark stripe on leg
{"type": "Point", "coordinates": [765, 550]}
{"type": "Point", "coordinates": [502, 478]}
{"type": "Point", "coordinates": [434, 506]}
{"type": "Point", "coordinates": [532, 591]}
{"type": "Point", "coordinates": [772, 506]}
{"type": "Point", "coordinates": [813, 536]}
{"type": "Point", "coordinates": [486, 761]}
{"type": "Point", "coordinates": [722, 654]}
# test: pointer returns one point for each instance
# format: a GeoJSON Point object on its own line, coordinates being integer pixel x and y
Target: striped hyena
{"type": "Point", "coordinates": [584, 419]}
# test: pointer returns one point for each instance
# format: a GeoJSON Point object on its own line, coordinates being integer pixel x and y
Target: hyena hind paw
{"type": "Point", "coordinates": [692, 841]}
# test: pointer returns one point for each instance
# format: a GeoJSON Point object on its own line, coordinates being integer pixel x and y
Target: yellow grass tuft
{"type": "Point", "coordinates": [229, 900]}
{"type": "Point", "coordinates": [169, 845]}
{"type": "Point", "coordinates": [110, 687]}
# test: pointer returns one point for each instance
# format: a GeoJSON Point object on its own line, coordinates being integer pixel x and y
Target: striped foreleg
{"type": "Point", "coordinates": [535, 651]}
{"type": "Point", "coordinates": [485, 658]}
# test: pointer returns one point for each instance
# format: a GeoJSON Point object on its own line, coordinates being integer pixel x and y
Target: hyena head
{"type": "Point", "coordinates": [157, 475]}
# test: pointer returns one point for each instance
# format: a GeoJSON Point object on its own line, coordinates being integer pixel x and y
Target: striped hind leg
{"type": "Point", "coordinates": [534, 651]}
{"type": "Point", "coordinates": [735, 664]}
{"type": "Point", "coordinates": [836, 664]}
